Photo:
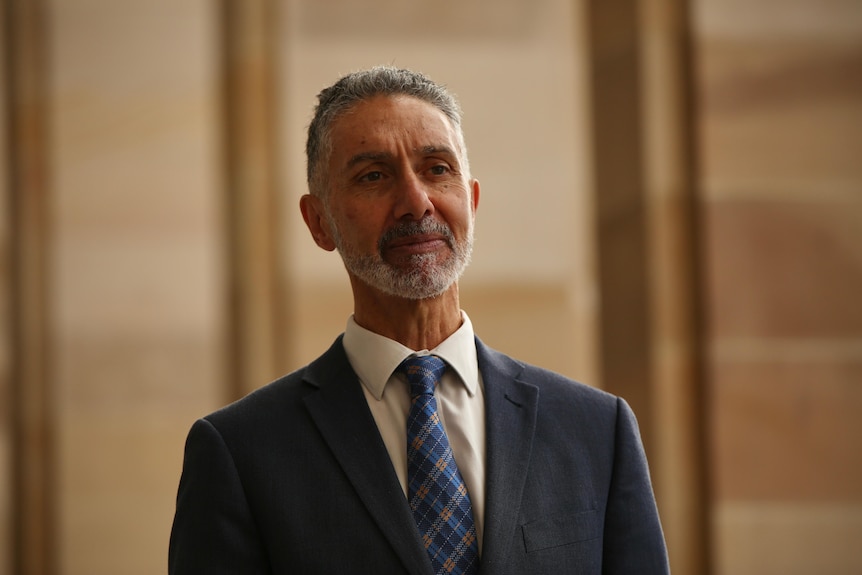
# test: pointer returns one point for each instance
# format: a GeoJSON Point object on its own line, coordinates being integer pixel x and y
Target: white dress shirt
{"type": "Point", "coordinates": [460, 401]}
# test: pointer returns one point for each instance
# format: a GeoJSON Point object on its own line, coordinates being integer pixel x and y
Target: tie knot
{"type": "Point", "coordinates": [423, 373]}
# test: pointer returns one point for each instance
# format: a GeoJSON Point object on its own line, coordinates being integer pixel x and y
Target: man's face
{"type": "Point", "coordinates": [400, 209]}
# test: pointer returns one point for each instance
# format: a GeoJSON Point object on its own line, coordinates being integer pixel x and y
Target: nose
{"type": "Point", "coordinates": [413, 200]}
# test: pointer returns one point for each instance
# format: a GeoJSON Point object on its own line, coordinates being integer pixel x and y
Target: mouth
{"type": "Point", "coordinates": [417, 241]}
{"type": "Point", "coordinates": [416, 238]}
{"type": "Point", "coordinates": [415, 247]}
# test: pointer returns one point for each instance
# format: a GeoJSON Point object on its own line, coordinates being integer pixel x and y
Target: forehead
{"type": "Point", "coordinates": [387, 123]}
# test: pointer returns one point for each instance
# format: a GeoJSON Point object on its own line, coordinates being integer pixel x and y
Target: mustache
{"type": "Point", "coordinates": [426, 225]}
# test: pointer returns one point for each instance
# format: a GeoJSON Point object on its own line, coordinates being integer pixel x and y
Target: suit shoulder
{"type": "Point", "coordinates": [285, 394]}
{"type": "Point", "coordinates": [553, 386]}
{"type": "Point", "coordinates": [560, 387]}
{"type": "Point", "coordinates": [280, 402]}
{"type": "Point", "coordinates": [273, 397]}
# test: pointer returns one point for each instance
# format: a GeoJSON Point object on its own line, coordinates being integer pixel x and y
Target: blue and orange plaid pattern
{"type": "Point", "coordinates": [437, 493]}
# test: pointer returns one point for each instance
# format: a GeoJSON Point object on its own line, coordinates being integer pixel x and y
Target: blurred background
{"type": "Point", "coordinates": [671, 210]}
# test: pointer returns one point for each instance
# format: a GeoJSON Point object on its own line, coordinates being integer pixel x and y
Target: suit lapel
{"type": "Point", "coordinates": [341, 413]}
{"type": "Point", "coordinates": [510, 412]}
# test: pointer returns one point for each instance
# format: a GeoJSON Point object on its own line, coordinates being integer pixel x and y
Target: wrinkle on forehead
{"type": "Point", "coordinates": [379, 128]}
{"type": "Point", "coordinates": [399, 114]}
{"type": "Point", "coordinates": [371, 157]}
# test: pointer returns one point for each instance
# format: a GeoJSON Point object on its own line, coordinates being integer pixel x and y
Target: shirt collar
{"type": "Point", "coordinates": [374, 357]}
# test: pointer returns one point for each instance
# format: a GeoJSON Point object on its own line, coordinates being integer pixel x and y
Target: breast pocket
{"type": "Point", "coordinates": [562, 529]}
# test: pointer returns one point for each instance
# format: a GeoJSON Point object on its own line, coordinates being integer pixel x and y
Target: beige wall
{"type": "Point", "coordinates": [136, 295]}
{"type": "Point", "coordinates": [781, 181]}
{"type": "Point", "coordinates": [139, 301]}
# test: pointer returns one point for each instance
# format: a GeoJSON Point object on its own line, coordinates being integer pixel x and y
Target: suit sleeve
{"type": "Point", "coordinates": [213, 531]}
{"type": "Point", "coordinates": [633, 538]}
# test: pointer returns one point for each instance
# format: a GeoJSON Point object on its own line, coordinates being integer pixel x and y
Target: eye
{"type": "Point", "coordinates": [374, 176]}
{"type": "Point", "coordinates": [439, 170]}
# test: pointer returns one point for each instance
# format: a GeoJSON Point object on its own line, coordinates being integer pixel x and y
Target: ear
{"type": "Point", "coordinates": [474, 188]}
{"type": "Point", "coordinates": [313, 213]}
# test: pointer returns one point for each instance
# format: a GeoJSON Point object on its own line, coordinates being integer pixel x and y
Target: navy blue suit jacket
{"type": "Point", "coordinates": [295, 478]}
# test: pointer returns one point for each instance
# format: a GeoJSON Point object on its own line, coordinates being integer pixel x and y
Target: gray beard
{"type": "Point", "coordinates": [420, 276]}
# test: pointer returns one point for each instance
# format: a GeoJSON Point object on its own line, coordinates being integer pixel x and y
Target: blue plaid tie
{"type": "Point", "coordinates": [437, 493]}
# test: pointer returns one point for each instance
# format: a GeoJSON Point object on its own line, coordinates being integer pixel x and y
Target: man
{"type": "Point", "coordinates": [410, 446]}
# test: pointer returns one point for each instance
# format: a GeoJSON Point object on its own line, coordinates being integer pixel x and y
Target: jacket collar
{"type": "Point", "coordinates": [510, 413]}
{"type": "Point", "coordinates": [341, 414]}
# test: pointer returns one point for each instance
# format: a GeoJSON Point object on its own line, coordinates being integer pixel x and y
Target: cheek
{"type": "Point", "coordinates": [360, 225]}
{"type": "Point", "coordinates": [353, 216]}
{"type": "Point", "coordinates": [458, 213]}
{"type": "Point", "coordinates": [356, 222]}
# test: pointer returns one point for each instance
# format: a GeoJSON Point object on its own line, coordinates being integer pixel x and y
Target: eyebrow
{"type": "Point", "coordinates": [379, 156]}
{"type": "Point", "coordinates": [428, 150]}
{"type": "Point", "coordinates": [367, 157]}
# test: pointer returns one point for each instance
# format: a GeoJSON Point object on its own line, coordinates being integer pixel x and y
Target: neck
{"type": "Point", "coordinates": [417, 324]}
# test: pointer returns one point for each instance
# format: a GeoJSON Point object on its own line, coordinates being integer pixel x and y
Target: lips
{"type": "Point", "coordinates": [417, 242]}
{"type": "Point", "coordinates": [416, 237]}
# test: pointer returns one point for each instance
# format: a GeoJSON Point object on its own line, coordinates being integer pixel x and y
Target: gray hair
{"type": "Point", "coordinates": [357, 87]}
